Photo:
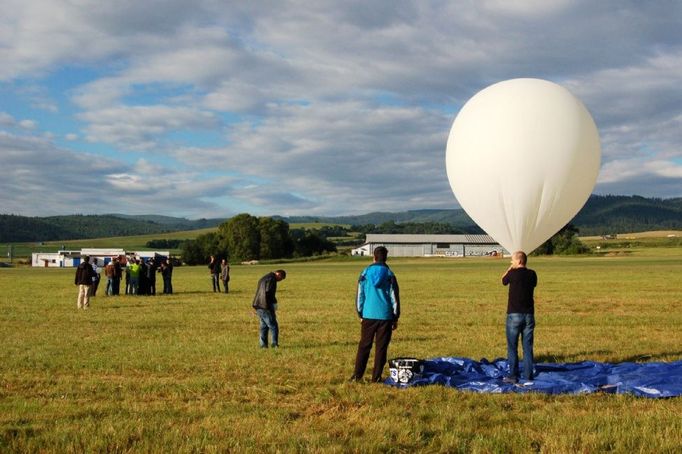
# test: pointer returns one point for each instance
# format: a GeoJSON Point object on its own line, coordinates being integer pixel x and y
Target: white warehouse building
{"type": "Point", "coordinates": [401, 245]}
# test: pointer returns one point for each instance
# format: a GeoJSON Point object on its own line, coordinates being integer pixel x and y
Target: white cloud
{"type": "Point", "coordinates": [351, 155]}
{"type": "Point", "coordinates": [649, 178]}
{"type": "Point", "coordinates": [141, 127]}
{"type": "Point", "coordinates": [69, 182]}
{"type": "Point", "coordinates": [333, 107]}
{"type": "Point", "coordinates": [28, 124]}
{"type": "Point", "coordinates": [6, 119]}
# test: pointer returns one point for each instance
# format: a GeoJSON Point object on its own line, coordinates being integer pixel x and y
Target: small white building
{"type": "Point", "coordinates": [401, 245]}
{"type": "Point", "coordinates": [59, 259]}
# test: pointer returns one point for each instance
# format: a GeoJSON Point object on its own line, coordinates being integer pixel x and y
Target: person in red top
{"type": "Point", "coordinates": [520, 315]}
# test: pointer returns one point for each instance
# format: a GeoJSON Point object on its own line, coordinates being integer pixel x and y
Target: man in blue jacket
{"type": "Point", "coordinates": [378, 305]}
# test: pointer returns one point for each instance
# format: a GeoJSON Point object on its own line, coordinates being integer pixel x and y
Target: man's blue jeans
{"type": "Point", "coordinates": [268, 321]}
{"type": "Point", "coordinates": [520, 324]}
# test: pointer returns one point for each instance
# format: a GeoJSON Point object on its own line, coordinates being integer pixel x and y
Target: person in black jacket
{"type": "Point", "coordinates": [520, 315]}
{"type": "Point", "coordinates": [84, 279]}
{"type": "Point", "coordinates": [166, 271]}
{"type": "Point", "coordinates": [214, 268]}
{"type": "Point", "coordinates": [265, 304]}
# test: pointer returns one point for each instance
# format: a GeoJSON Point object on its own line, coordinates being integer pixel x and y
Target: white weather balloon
{"type": "Point", "coordinates": [522, 158]}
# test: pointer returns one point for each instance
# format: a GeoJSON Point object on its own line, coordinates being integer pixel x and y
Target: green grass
{"type": "Point", "coordinates": [184, 373]}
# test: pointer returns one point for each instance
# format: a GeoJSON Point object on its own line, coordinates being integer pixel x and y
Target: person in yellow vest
{"type": "Point", "coordinates": [134, 276]}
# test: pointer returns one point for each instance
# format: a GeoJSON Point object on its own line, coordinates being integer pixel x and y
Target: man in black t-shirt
{"type": "Point", "coordinates": [520, 316]}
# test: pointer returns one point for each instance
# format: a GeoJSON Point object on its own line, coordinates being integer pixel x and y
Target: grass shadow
{"type": "Point", "coordinates": [587, 356]}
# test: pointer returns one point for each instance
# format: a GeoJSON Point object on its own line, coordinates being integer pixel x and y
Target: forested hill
{"type": "Point", "coordinates": [55, 228]}
{"type": "Point", "coordinates": [620, 214]}
{"type": "Point", "coordinates": [600, 215]}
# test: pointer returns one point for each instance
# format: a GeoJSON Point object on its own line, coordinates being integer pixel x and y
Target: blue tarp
{"type": "Point", "coordinates": [656, 379]}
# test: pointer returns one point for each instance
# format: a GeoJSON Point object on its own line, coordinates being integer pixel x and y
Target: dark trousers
{"type": "Point", "coordinates": [215, 278]}
{"type": "Point", "coordinates": [225, 283]}
{"type": "Point", "coordinates": [167, 285]}
{"type": "Point", "coordinates": [371, 331]}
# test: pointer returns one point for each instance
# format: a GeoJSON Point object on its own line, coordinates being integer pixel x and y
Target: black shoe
{"type": "Point", "coordinates": [512, 380]}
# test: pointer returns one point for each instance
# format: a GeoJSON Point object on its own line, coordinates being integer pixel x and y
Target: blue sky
{"type": "Point", "coordinates": [208, 109]}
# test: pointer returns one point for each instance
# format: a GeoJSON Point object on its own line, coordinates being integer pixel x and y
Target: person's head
{"type": "Point", "coordinates": [380, 254]}
{"type": "Point", "coordinates": [280, 275]}
{"type": "Point", "coordinates": [519, 259]}
{"type": "Point", "coordinates": [223, 261]}
{"type": "Point", "coordinates": [86, 259]}
{"type": "Point", "coordinates": [212, 258]}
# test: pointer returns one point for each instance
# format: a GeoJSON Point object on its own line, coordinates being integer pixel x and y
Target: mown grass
{"type": "Point", "coordinates": [184, 373]}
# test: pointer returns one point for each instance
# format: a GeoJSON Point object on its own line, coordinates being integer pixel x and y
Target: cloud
{"type": "Point", "coordinates": [352, 155]}
{"type": "Point", "coordinates": [9, 121]}
{"type": "Point", "coordinates": [69, 182]}
{"type": "Point", "coordinates": [141, 127]}
{"type": "Point", "coordinates": [333, 107]}
{"type": "Point", "coordinates": [659, 178]}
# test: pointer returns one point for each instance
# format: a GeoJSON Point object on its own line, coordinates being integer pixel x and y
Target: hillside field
{"type": "Point", "coordinates": [184, 372]}
{"type": "Point", "coordinates": [22, 251]}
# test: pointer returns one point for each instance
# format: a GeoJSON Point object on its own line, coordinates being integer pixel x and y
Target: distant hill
{"type": "Point", "coordinates": [618, 214]}
{"type": "Point", "coordinates": [175, 224]}
{"type": "Point", "coordinates": [16, 229]}
{"type": "Point", "coordinates": [457, 218]}
{"type": "Point", "coordinates": [600, 215]}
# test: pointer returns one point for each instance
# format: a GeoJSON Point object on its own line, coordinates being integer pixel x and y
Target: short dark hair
{"type": "Point", "coordinates": [282, 273]}
{"type": "Point", "coordinates": [380, 254]}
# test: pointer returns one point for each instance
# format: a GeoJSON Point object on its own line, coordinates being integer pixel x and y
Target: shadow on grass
{"type": "Point", "coordinates": [325, 344]}
{"type": "Point", "coordinates": [588, 356]}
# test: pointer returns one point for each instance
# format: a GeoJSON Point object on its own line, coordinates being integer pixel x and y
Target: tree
{"type": "Point", "coordinates": [309, 242]}
{"type": "Point", "coordinates": [241, 236]}
{"type": "Point", "coordinates": [565, 241]}
{"type": "Point", "coordinates": [198, 251]}
{"type": "Point", "coordinates": [275, 242]}
{"type": "Point", "coordinates": [192, 253]}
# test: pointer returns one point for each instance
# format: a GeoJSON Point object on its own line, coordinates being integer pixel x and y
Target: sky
{"type": "Point", "coordinates": [210, 108]}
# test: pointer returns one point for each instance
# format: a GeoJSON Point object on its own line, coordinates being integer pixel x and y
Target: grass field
{"type": "Point", "coordinates": [184, 373]}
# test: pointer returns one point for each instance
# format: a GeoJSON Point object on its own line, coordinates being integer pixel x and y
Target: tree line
{"type": "Point", "coordinates": [246, 237]}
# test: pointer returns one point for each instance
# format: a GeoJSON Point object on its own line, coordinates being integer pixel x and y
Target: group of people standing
{"type": "Point", "coordinates": [140, 277]}
{"type": "Point", "coordinates": [219, 271]}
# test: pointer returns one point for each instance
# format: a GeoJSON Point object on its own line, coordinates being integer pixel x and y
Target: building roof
{"type": "Point", "coordinates": [418, 239]}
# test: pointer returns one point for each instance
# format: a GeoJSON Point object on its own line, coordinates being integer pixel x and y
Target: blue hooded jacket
{"type": "Point", "coordinates": [378, 297]}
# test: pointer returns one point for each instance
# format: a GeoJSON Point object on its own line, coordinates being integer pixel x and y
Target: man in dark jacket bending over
{"type": "Point", "coordinates": [378, 305]}
{"type": "Point", "coordinates": [265, 304]}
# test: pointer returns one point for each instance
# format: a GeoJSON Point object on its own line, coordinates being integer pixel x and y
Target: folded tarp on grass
{"type": "Point", "coordinates": [657, 379]}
